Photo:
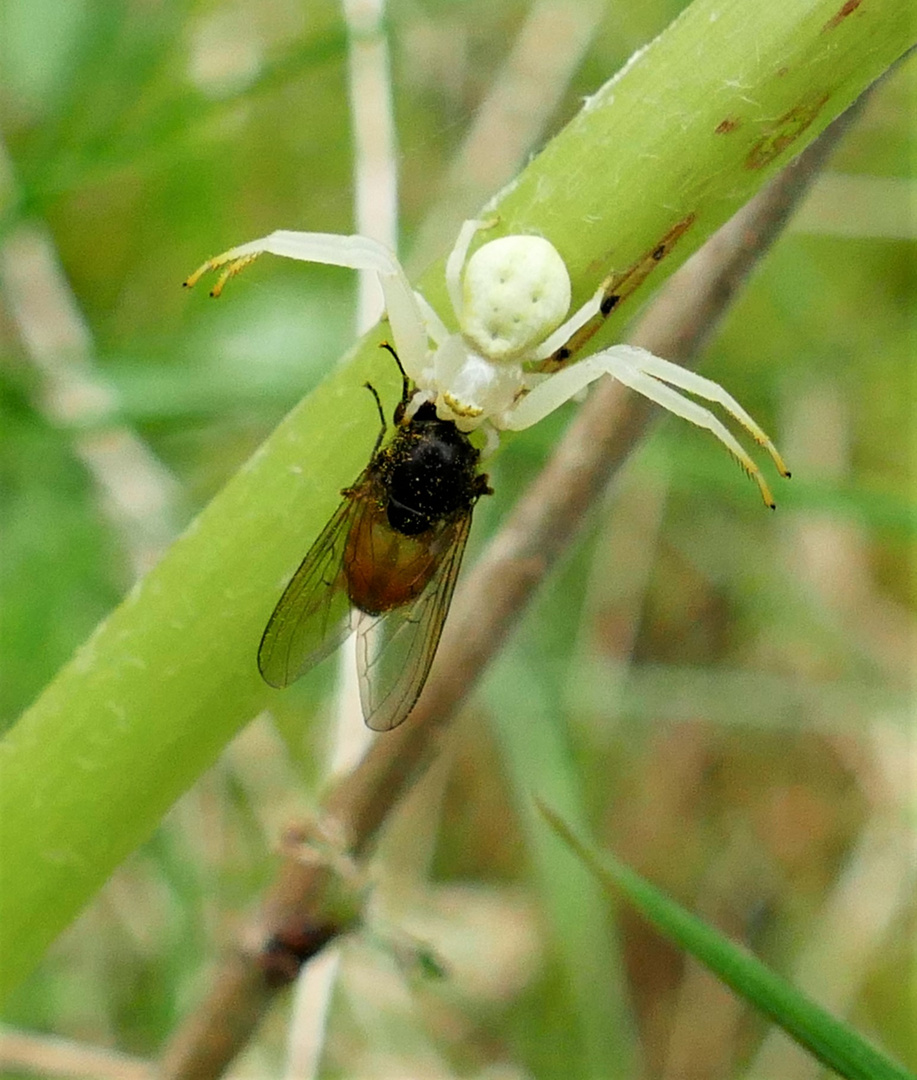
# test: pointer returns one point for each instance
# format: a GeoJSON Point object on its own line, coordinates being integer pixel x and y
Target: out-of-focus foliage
{"type": "Point", "coordinates": [726, 692]}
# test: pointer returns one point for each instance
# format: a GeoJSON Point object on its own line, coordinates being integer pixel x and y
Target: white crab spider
{"type": "Point", "coordinates": [510, 300]}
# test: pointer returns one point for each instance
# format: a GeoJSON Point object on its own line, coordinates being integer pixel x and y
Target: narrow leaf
{"type": "Point", "coordinates": [829, 1040]}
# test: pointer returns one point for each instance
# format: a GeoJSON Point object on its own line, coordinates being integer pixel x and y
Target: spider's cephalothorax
{"type": "Point", "coordinates": [510, 300]}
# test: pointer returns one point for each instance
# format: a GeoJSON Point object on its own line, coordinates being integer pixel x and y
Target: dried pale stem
{"type": "Point", "coordinates": [45, 1055]}
{"type": "Point", "coordinates": [138, 493]}
{"type": "Point", "coordinates": [511, 120]}
{"type": "Point", "coordinates": [544, 523]}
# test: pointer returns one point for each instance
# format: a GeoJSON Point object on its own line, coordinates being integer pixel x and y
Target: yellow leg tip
{"type": "Point", "coordinates": [777, 459]}
{"type": "Point", "coordinates": [220, 283]}
{"type": "Point", "coordinates": [233, 268]}
{"type": "Point", "coordinates": [194, 278]}
{"type": "Point", "coordinates": [762, 487]}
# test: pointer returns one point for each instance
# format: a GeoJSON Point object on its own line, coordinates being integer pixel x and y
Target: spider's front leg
{"type": "Point", "coordinates": [556, 341]}
{"type": "Point", "coordinates": [548, 394]}
{"type": "Point", "coordinates": [352, 252]}
{"type": "Point", "coordinates": [643, 372]}
{"type": "Point", "coordinates": [707, 389]}
{"type": "Point", "coordinates": [458, 256]}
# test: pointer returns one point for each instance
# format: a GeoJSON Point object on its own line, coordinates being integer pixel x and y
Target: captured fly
{"type": "Point", "coordinates": [385, 565]}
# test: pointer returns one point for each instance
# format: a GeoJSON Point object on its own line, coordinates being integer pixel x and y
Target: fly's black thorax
{"type": "Point", "coordinates": [428, 472]}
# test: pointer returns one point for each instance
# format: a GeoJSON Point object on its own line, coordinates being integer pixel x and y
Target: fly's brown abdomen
{"type": "Point", "coordinates": [386, 569]}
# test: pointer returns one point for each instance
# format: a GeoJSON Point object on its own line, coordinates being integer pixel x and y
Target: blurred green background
{"type": "Point", "coordinates": [724, 694]}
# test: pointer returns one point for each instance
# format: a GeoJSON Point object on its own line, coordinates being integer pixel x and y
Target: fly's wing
{"type": "Point", "coordinates": [395, 650]}
{"type": "Point", "coordinates": [311, 618]}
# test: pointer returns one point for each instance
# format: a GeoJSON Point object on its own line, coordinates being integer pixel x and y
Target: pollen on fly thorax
{"type": "Point", "coordinates": [385, 565]}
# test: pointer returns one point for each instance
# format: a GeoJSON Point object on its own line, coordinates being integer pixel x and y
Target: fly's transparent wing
{"type": "Point", "coordinates": [311, 618]}
{"type": "Point", "coordinates": [395, 650]}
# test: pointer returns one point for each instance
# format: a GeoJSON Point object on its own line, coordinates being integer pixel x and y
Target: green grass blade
{"type": "Point", "coordinates": [833, 1043]}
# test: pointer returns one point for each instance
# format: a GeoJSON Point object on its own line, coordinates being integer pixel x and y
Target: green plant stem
{"type": "Point", "coordinates": [683, 136]}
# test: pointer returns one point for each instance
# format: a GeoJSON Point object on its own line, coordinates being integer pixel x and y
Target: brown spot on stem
{"type": "Point", "coordinates": [727, 125]}
{"type": "Point", "coordinates": [784, 132]}
{"type": "Point", "coordinates": [617, 287]}
{"type": "Point", "coordinates": [848, 9]}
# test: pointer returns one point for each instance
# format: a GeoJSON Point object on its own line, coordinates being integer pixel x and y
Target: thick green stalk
{"type": "Point", "coordinates": [660, 157]}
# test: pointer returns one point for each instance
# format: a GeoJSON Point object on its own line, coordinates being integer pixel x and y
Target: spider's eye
{"type": "Point", "coordinates": [516, 291]}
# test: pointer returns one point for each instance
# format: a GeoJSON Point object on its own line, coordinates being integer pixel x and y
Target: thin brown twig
{"type": "Point", "coordinates": [296, 920]}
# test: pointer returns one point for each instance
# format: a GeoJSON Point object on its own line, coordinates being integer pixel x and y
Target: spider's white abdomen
{"type": "Point", "coordinates": [516, 290]}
